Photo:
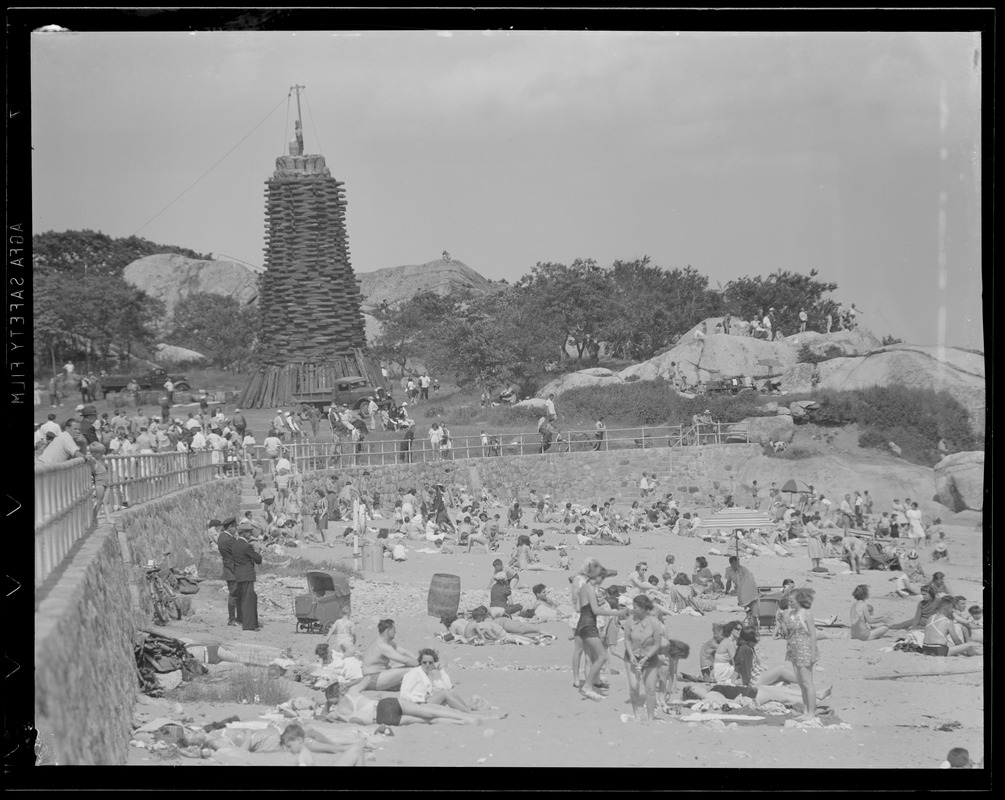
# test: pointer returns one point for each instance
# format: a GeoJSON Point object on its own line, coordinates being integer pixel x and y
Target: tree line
{"type": "Point", "coordinates": [85, 309]}
{"type": "Point", "coordinates": [637, 309]}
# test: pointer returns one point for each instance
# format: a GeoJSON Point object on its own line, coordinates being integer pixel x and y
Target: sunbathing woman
{"type": "Point", "coordinates": [637, 580]}
{"type": "Point", "coordinates": [787, 695]}
{"type": "Point", "coordinates": [345, 703]}
{"type": "Point", "coordinates": [722, 663]}
{"type": "Point", "coordinates": [702, 574]}
{"type": "Point", "coordinates": [525, 559]}
{"type": "Point", "coordinates": [270, 739]}
{"type": "Point", "coordinates": [643, 637]}
{"type": "Point", "coordinates": [940, 630]}
{"type": "Point", "coordinates": [862, 627]}
{"type": "Point", "coordinates": [489, 630]}
{"type": "Point", "coordinates": [923, 613]}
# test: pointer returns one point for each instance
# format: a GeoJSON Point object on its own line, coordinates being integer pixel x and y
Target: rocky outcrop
{"type": "Point", "coordinates": [717, 356]}
{"type": "Point", "coordinates": [395, 284]}
{"type": "Point", "coordinates": [777, 428]}
{"type": "Point", "coordinates": [170, 277]}
{"type": "Point", "coordinates": [169, 354]}
{"type": "Point", "coordinates": [597, 376]}
{"type": "Point", "coordinates": [851, 343]}
{"type": "Point", "coordinates": [942, 369]}
{"type": "Point", "coordinates": [959, 481]}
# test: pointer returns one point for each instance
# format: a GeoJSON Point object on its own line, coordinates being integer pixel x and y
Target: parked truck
{"type": "Point", "coordinates": [153, 379]}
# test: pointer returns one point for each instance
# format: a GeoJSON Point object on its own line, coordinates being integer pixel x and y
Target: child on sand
{"type": "Point", "coordinates": [343, 633]}
{"type": "Point", "coordinates": [708, 649]}
{"type": "Point", "coordinates": [564, 560]}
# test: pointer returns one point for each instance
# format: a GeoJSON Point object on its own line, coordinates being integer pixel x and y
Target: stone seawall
{"type": "Point", "coordinates": [85, 675]}
{"type": "Point", "coordinates": [570, 476]}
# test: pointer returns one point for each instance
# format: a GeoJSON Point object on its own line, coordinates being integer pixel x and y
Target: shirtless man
{"type": "Point", "coordinates": [378, 659]}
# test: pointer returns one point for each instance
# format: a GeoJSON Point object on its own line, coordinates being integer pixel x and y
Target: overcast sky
{"type": "Point", "coordinates": [738, 154]}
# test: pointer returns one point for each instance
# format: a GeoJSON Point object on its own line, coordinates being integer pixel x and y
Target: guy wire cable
{"type": "Point", "coordinates": [232, 149]}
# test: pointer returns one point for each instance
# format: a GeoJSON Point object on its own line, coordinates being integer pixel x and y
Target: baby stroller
{"type": "Point", "coordinates": [328, 594]}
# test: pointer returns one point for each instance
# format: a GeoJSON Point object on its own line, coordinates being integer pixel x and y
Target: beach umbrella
{"type": "Point", "coordinates": [737, 519]}
{"type": "Point", "coordinates": [792, 486]}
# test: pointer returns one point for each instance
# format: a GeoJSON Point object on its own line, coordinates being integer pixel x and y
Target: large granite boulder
{"type": "Point", "coordinates": [535, 404]}
{"type": "Point", "coordinates": [858, 342]}
{"type": "Point", "coordinates": [596, 376]}
{"type": "Point", "coordinates": [778, 428]}
{"type": "Point", "coordinates": [959, 481]}
{"type": "Point", "coordinates": [718, 356]}
{"type": "Point", "coordinates": [958, 372]}
{"type": "Point", "coordinates": [170, 277]}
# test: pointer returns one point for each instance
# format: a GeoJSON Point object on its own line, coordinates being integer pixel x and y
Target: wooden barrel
{"type": "Point", "coordinates": [444, 595]}
{"type": "Point", "coordinates": [373, 558]}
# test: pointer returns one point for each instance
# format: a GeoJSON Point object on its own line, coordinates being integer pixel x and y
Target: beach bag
{"type": "Point", "coordinates": [188, 585]}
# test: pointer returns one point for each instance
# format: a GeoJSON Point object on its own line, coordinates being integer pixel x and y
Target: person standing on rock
{"type": "Point", "coordinates": [244, 558]}
{"type": "Point", "coordinates": [802, 320]}
{"type": "Point", "coordinates": [225, 545]}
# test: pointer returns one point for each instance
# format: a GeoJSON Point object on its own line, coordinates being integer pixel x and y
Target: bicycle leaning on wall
{"type": "Point", "coordinates": [163, 597]}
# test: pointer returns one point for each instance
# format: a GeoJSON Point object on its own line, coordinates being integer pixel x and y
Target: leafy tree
{"type": "Point", "coordinates": [72, 251]}
{"type": "Point", "coordinates": [787, 292]}
{"type": "Point", "coordinates": [217, 326]}
{"type": "Point", "coordinates": [405, 327]}
{"type": "Point", "coordinates": [652, 307]}
{"type": "Point", "coordinates": [575, 297]}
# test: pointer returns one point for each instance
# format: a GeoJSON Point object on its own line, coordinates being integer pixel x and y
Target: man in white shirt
{"type": "Point", "coordinates": [50, 426]}
{"type": "Point", "coordinates": [549, 405]}
{"type": "Point", "coordinates": [65, 446]}
{"type": "Point", "coordinates": [192, 422]}
{"type": "Point", "coordinates": [802, 320]}
{"type": "Point", "coordinates": [279, 423]}
{"type": "Point", "coordinates": [766, 323]}
{"type": "Point", "coordinates": [424, 383]}
{"type": "Point", "coordinates": [198, 442]}
{"type": "Point", "coordinates": [283, 462]}
{"type": "Point", "coordinates": [427, 683]}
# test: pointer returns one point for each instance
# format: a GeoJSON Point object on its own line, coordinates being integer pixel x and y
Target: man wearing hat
{"type": "Point", "coordinates": [87, 429]}
{"type": "Point", "coordinates": [244, 559]}
{"type": "Point", "coordinates": [225, 544]}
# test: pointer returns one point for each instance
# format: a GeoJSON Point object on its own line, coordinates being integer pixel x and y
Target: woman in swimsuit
{"type": "Point", "coordinates": [353, 707]}
{"type": "Point", "coordinates": [801, 651]}
{"type": "Point", "coordinates": [926, 608]}
{"type": "Point", "coordinates": [643, 637]}
{"type": "Point", "coordinates": [862, 627]}
{"type": "Point", "coordinates": [586, 627]}
{"type": "Point", "coordinates": [722, 663]}
{"type": "Point", "coordinates": [523, 559]}
{"type": "Point", "coordinates": [940, 629]}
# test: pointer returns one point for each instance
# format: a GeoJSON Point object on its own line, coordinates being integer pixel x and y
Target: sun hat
{"type": "Point", "coordinates": [913, 554]}
{"type": "Point", "coordinates": [214, 523]}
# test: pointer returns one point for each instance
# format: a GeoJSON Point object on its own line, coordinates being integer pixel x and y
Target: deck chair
{"type": "Point", "coordinates": [877, 558]}
{"type": "Point", "coordinates": [762, 613]}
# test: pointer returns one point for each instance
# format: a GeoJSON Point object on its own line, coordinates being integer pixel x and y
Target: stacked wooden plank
{"type": "Point", "coordinates": [312, 327]}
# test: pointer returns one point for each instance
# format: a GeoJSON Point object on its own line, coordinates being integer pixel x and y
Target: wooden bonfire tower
{"type": "Point", "coordinates": [309, 298]}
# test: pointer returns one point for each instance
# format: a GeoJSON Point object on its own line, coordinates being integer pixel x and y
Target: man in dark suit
{"type": "Point", "coordinates": [225, 544]}
{"type": "Point", "coordinates": [245, 558]}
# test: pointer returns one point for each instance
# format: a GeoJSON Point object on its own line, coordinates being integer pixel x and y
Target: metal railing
{"type": "Point", "coordinates": [308, 456]}
{"type": "Point", "coordinates": [64, 511]}
{"type": "Point", "coordinates": [65, 508]}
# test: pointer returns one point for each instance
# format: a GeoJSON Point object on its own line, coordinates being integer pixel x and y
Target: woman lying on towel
{"type": "Point", "coordinates": [786, 695]}
{"type": "Point", "coordinates": [505, 629]}
{"type": "Point", "coordinates": [753, 674]}
{"type": "Point", "coordinates": [345, 703]}
{"type": "Point", "coordinates": [300, 741]}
